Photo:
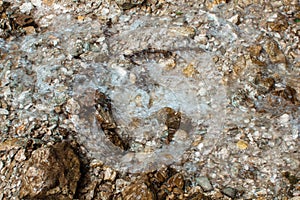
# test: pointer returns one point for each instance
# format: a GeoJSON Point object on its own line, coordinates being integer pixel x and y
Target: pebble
{"type": "Point", "coordinates": [3, 111]}
{"type": "Point", "coordinates": [284, 119]}
{"type": "Point", "coordinates": [274, 52]}
{"type": "Point", "coordinates": [20, 155]}
{"type": "Point", "coordinates": [110, 174]}
{"type": "Point", "coordinates": [205, 184]}
{"type": "Point", "coordinates": [229, 191]}
{"type": "Point", "coordinates": [241, 144]}
{"type": "Point", "coordinates": [26, 8]}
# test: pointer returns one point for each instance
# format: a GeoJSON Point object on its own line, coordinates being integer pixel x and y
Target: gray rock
{"type": "Point", "coordinates": [204, 183]}
{"type": "Point", "coordinates": [229, 191]}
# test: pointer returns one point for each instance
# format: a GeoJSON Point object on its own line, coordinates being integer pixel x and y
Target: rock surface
{"type": "Point", "coordinates": [228, 71]}
{"type": "Point", "coordinates": [51, 173]}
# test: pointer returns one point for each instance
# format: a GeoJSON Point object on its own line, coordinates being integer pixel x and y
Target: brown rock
{"type": "Point", "coordinates": [198, 196]}
{"type": "Point", "coordinates": [176, 180]}
{"type": "Point", "coordinates": [274, 52]}
{"type": "Point", "coordinates": [138, 191]}
{"type": "Point", "coordinates": [255, 50]}
{"type": "Point", "coordinates": [279, 24]}
{"type": "Point", "coordinates": [265, 84]}
{"type": "Point", "coordinates": [51, 173]}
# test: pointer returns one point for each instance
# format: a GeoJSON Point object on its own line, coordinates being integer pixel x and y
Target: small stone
{"type": "Point", "coordinates": [20, 155]}
{"type": "Point", "coordinates": [274, 52]}
{"type": "Point", "coordinates": [1, 165]}
{"type": "Point", "coordinates": [176, 180]}
{"type": "Point", "coordinates": [36, 3]}
{"type": "Point", "coordinates": [182, 31]}
{"type": "Point", "coordinates": [229, 191]}
{"type": "Point", "coordinates": [234, 19]}
{"type": "Point", "coordinates": [29, 30]}
{"type": "Point", "coordinates": [255, 50]}
{"type": "Point", "coordinates": [205, 184]}
{"type": "Point", "coordinates": [180, 135]}
{"type": "Point", "coordinates": [26, 7]}
{"type": "Point", "coordinates": [138, 191]}
{"type": "Point", "coordinates": [127, 4]}
{"type": "Point", "coordinates": [72, 106]}
{"type": "Point", "coordinates": [241, 144]}
{"type": "Point", "coordinates": [110, 174]}
{"type": "Point", "coordinates": [3, 111]}
{"type": "Point", "coordinates": [80, 18]}
{"type": "Point", "coordinates": [284, 119]}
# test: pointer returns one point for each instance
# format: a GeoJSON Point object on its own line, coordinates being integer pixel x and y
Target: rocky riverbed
{"type": "Point", "coordinates": [149, 99]}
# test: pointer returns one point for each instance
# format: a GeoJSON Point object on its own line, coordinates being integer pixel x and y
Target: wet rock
{"type": "Point", "coordinates": [51, 172]}
{"type": "Point", "coordinates": [230, 192]}
{"type": "Point", "coordinates": [127, 4]}
{"type": "Point", "coordinates": [274, 52]}
{"type": "Point", "coordinates": [138, 191]}
{"type": "Point", "coordinates": [204, 183]}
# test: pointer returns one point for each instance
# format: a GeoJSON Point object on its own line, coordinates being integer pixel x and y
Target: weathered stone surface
{"type": "Point", "coordinates": [279, 23]}
{"type": "Point", "coordinates": [127, 4]}
{"type": "Point", "coordinates": [205, 184]}
{"type": "Point", "coordinates": [138, 191]}
{"type": "Point", "coordinates": [51, 172]}
{"type": "Point", "coordinates": [274, 52]}
{"type": "Point", "coordinates": [229, 191]}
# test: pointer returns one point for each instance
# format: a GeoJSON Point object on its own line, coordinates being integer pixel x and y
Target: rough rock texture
{"type": "Point", "coordinates": [51, 173]}
{"type": "Point", "coordinates": [127, 4]}
{"type": "Point", "coordinates": [228, 70]}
